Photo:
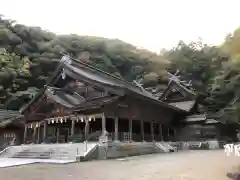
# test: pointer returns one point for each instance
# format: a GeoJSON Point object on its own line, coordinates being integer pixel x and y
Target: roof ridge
{"type": "Point", "coordinates": [104, 72]}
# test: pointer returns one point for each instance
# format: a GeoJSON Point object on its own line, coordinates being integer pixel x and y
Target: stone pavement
{"type": "Point", "coordinates": [8, 162]}
{"type": "Point", "coordinates": [188, 165]}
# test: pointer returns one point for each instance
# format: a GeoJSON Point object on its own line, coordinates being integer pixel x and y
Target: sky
{"type": "Point", "coordinates": [150, 24]}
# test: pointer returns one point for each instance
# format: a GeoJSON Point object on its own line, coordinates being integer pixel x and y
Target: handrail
{"type": "Point", "coordinates": [5, 147]}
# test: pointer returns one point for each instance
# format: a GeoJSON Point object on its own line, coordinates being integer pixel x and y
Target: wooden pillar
{"type": "Point", "coordinates": [25, 134]}
{"type": "Point", "coordinates": [103, 124]}
{"type": "Point", "coordinates": [38, 136]}
{"type": "Point", "coordinates": [142, 130]}
{"type": "Point", "coordinates": [168, 133]}
{"type": "Point", "coordinates": [152, 130]}
{"type": "Point", "coordinates": [130, 130]}
{"type": "Point", "coordinates": [86, 130]}
{"type": "Point", "coordinates": [34, 134]}
{"type": "Point", "coordinates": [44, 130]}
{"type": "Point", "coordinates": [173, 132]}
{"type": "Point", "coordinates": [58, 132]}
{"type": "Point", "coordinates": [161, 132]}
{"type": "Point", "coordinates": [73, 128]}
{"type": "Point", "coordinates": [116, 129]}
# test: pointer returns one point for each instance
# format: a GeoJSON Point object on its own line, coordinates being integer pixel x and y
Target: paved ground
{"type": "Point", "coordinates": [8, 162]}
{"type": "Point", "coordinates": [193, 165]}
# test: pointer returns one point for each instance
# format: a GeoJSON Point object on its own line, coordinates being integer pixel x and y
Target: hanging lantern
{"type": "Point", "coordinates": [52, 121]}
{"type": "Point", "coordinates": [90, 118]}
{"type": "Point", "coordinates": [94, 119]}
{"type": "Point", "coordinates": [82, 119]}
{"type": "Point", "coordinates": [49, 121]}
{"type": "Point", "coordinates": [36, 124]}
{"type": "Point", "coordinates": [31, 126]}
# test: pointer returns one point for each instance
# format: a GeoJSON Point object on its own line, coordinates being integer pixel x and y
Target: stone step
{"type": "Point", "coordinates": [165, 147]}
{"type": "Point", "coordinates": [48, 151]}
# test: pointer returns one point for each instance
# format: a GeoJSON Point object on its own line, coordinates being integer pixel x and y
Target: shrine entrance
{"type": "Point", "coordinates": [64, 134]}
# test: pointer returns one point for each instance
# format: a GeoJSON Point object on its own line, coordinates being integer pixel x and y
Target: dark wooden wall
{"type": "Point", "coordinates": [138, 109]}
{"type": "Point", "coordinates": [193, 132]}
{"type": "Point", "coordinates": [8, 133]}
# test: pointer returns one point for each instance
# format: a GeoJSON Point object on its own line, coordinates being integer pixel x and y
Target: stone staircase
{"type": "Point", "coordinates": [82, 151]}
{"type": "Point", "coordinates": [165, 147]}
{"type": "Point", "coordinates": [49, 151]}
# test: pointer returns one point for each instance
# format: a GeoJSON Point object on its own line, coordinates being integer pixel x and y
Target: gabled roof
{"type": "Point", "coordinates": [196, 118]}
{"type": "Point", "coordinates": [96, 102]}
{"type": "Point", "coordinates": [67, 99]}
{"type": "Point", "coordinates": [89, 74]}
{"type": "Point", "coordinates": [40, 94]}
{"type": "Point", "coordinates": [212, 121]}
{"type": "Point", "coordinates": [184, 105]}
{"type": "Point", "coordinates": [180, 87]}
{"type": "Point", "coordinates": [200, 118]}
{"type": "Point", "coordinates": [8, 116]}
{"type": "Point", "coordinates": [95, 75]}
{"type": "Point", "coordinates": [92, 74]}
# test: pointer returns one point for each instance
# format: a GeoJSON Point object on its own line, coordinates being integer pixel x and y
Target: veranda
{"type": "Point", "coordinates": [79, 128]}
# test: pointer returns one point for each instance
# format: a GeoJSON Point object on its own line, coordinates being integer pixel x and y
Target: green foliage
{"type": "Point", "coordinates": [215, 74]}
{"type": "Point", "coordinates": [31, 56]}
{"type": "Point", "coordinates": [13, 74]}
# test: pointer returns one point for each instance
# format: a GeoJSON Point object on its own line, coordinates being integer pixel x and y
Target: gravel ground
{"type": "Point", "coordinates": [188, 165]}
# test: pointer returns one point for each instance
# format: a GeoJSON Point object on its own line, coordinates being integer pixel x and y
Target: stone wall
{"type": "Point", "coordinates": [195, 132]}
{"type": "Point", "coordinates": [118, 149]}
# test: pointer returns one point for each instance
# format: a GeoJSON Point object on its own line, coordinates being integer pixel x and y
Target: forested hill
{"type": "Point", "coordinates": [29, 55]}
{"type": "Point", "coordinates": [35, 54]}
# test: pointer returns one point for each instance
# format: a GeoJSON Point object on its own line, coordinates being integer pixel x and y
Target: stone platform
{"type": "Point", "coordinates": [67, 151]}
{"type": "Point", "coordinates": [72, 152]}
{"type": "Point", "coordinates": [8, 162]}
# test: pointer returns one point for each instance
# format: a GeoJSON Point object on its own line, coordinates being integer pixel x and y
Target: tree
{"type": "Point", "coordinates": [44, 49]}
{"type": "Point", "coordinates": [14, 71]}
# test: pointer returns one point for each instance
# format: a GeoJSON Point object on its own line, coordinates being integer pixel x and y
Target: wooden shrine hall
{"type": "Point", "coordinates": [82, 103]}
{"type": "Point", "coordinates": [11, 128]}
